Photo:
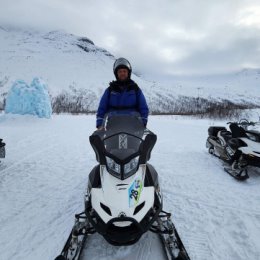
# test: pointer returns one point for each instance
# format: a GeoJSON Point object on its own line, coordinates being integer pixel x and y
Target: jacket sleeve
{"type": "Point", "coordinates": [143, 108]}
{"type": "Point", "coordinates": [102, 108]}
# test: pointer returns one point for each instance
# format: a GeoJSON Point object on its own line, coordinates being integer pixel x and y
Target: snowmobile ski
{"type": "Point", "coordinates": [171, 242]}
{"type": "Point", "coordinates": [77, 238]}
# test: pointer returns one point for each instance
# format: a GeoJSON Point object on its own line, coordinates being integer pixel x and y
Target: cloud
{"type": "Point", "coordinates": [158, 37]}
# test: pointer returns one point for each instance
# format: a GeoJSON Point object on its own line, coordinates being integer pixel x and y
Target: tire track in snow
{"type": "Point", "coordinates": [6, 171]}
{"type": "Point", "coordinates": [45, 198]}
{"type": "Point", "coordinates": [217, 205]}
{"type": "Point", "coordinates": [147, 248]}
{"type": "Point", "coordinates": [199, 243]}
{"type": "Point", "coordinates": [198, 191]}
{"type": "Point", "coordinates": [17, 151]}
{"type": "Point", "coordinates": [27, 140]}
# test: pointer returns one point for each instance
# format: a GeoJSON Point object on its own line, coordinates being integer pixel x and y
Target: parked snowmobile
{"type": "Point", "coordinates": [123, 198]}
{"type": "Point", "coordinates": [238, 147]}
{"type": "Point", "coordinates": [244, 123]}
{"type": "Point", "coordinates": [2, 149]}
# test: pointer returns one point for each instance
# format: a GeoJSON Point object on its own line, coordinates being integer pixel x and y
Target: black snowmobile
{"type": "Point", "coordinates": [2, 149]}
{"type": "Point", "coordinates": [238, 147]}
{"type": "Point", "coordinates": [123, 198]}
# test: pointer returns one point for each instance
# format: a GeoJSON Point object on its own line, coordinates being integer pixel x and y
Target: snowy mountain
{"type": "Point", "coordinates": [77, 72]}
{"type": "Point", "coordinates": [234, 86]}
{"type": "Point", "coordinates": [62, 60]}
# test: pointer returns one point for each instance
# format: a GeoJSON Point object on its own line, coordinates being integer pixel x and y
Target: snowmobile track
{"type": "Point", "coordinates": [148, 248]}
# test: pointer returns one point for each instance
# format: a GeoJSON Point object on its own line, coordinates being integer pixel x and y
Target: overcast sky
{"type": "Point", "coordinates": [158, 37]}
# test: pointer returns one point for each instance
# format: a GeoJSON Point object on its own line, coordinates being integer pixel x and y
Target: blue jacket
{"type": "Point", "coordinates": [122, 98]}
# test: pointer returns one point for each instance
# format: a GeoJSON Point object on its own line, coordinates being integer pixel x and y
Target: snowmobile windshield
{"type": "Point", "coordinates": [129, 123]}
{"type": "Point", "coordinates": [123, 136]}
{"type": "Point", "coordinates": [122, 140]}
{"type": "Point", "coordinates": [123, 144]}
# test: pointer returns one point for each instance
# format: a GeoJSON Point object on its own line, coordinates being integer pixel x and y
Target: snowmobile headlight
{"type": "Point", "coordinates": [132, 166]}
{"type": "Point", "coordinates": [113, 166]}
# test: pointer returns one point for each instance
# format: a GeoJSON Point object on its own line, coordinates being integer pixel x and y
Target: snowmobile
{"type": "Point", "coordinates": [123, 199]}
{"type": "Point", "coordinates": [2, 149]}
{"type": "Point", "coordinates": [239, 147]}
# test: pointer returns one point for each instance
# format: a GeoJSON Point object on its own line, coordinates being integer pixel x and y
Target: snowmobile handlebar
{"type": "Point", "coordinates": [243, 123]}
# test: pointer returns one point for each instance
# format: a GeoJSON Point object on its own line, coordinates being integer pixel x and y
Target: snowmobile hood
{"type": "Point", "coordinates": [122, 197]}
{"type": "Point", "coordinates": [251, 148]}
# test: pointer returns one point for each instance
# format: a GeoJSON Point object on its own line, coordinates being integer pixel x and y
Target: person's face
{"type": "Point", "coordinates": [122, 74]}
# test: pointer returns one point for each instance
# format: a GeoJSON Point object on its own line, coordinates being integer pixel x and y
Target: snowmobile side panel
{"type": "Point", "coordinates": [151, 176]}
{"type": "Point", "coordinates": [132, 192]}
{"type": "Point", "coordinates": [251, 148]}
{"type": "Point", "coordinates": [94, 178]}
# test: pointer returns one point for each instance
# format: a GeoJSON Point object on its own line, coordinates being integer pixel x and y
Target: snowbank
{"type": "Point", "coordinates": [29, 99]}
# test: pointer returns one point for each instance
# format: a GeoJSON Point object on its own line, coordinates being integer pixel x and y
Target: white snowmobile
{"type": "Point", "coordinates": [123, 198]}
{"type": "Point", "coordinates": [238, 147]}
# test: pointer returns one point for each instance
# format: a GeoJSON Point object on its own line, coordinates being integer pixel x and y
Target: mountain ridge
{"type": "Point", "coordinates": [75, 68]}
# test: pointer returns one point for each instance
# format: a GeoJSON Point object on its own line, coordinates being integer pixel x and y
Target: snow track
{"type": "Point", "coordinates": [149, 247]}
{"type": "Point", "coordinates": [44, 174]}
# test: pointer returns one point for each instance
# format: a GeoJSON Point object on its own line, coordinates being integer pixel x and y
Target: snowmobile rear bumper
{"type": "Point", "coordinates": [123, 235]}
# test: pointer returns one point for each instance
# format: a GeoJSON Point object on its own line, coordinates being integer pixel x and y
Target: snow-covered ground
{"type": "Point", "coordinates": [43, 178]}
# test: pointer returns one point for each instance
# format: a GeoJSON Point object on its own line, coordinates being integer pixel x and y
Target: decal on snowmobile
{"type": "Point", "coordinates": [134, 192]}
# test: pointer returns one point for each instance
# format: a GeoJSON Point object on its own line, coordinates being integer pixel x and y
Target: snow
{"type": "Point", "coordinates": [55, 57]}
{"type": "Point", "coordinates": [29, 99]}
{"type": "Point", "coordinates": [44, 175]}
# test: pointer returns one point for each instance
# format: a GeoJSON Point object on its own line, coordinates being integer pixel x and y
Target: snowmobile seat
{"type": "Point", "coordinates": [151, 176]}
{"type": "Point", "coordinates": [213, 130]}
{"type": "Point", "coordinates": [226, 135]}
